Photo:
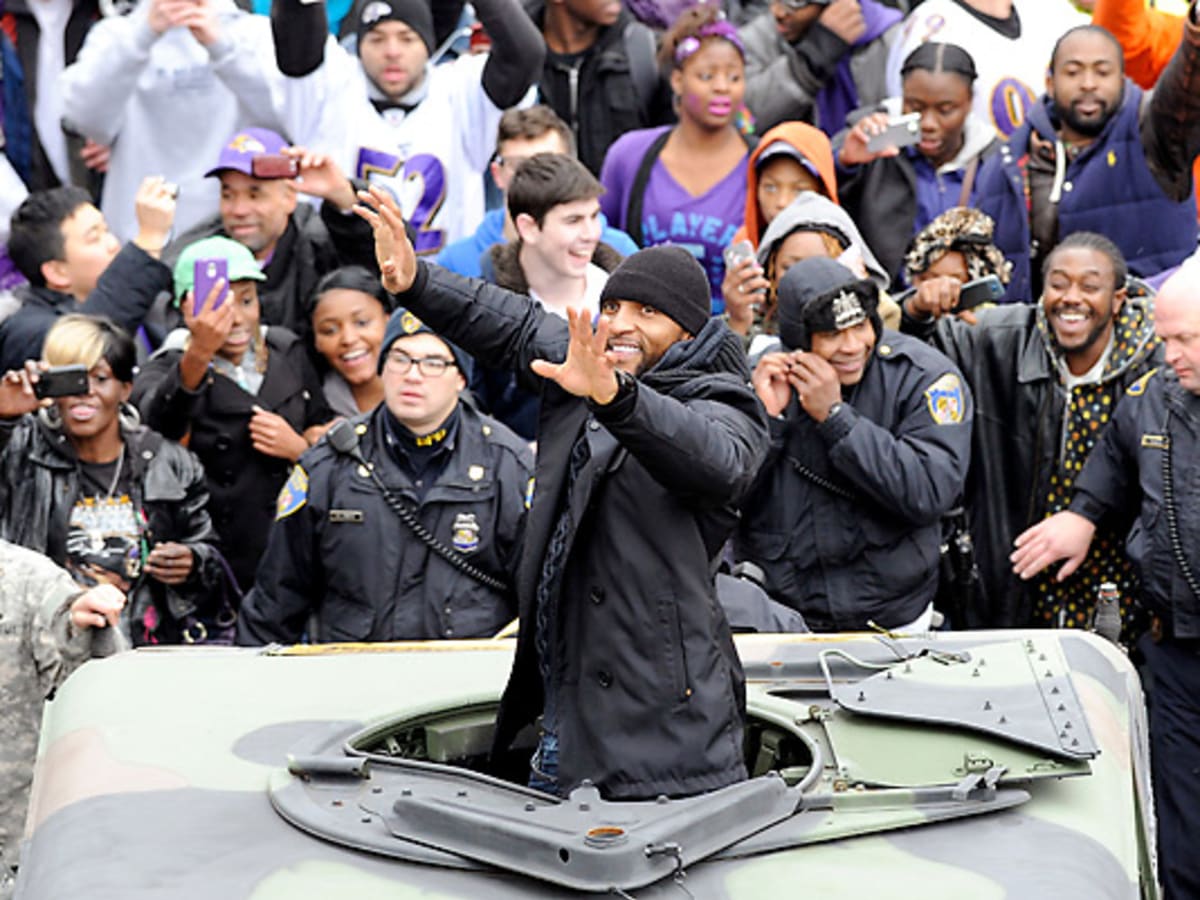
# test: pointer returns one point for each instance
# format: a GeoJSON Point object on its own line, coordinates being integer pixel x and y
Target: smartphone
{"type": "Point", "coordinates": [988, 289]}
{"type": "Point", "coordinates": [274, 165]}
{"type": "Point", "coordinates": [62, 381]}
{"type": "Point", "coordinates": [901, 131]}
{"type": "Point", "coordinates": [206, 273]}
{"type": "Point", "coordinates": [735, 253]}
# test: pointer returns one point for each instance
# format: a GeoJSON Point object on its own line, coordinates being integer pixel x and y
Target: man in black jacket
{"type": "Point", "coordinates": [60, 242]}
{"type": "Point", "coordinates": [1046, 379]}
{"type": "Point", "coordinates": [600, 75]}
{"type": "Point", "coordinates": [649, 436]}
{"type": "Point", "coordinates": [294, 243]}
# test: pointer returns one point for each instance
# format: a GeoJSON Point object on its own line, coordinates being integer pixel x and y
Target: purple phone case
{"type": "Point", "coordinates": [207, 272]}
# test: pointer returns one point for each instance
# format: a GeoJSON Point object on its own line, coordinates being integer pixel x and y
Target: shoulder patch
{"type": "Point", "coordinates": [1139, 387]}
{"type": "Point", "coordinates": [945, 401]}
{"type": "Point", "coordinates": [293, 494]}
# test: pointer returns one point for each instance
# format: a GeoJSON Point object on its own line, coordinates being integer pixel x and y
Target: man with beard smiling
{"type": "Point", "coordinates": [1046, 379]}
{"type": "Point", "coordinates": [1096, 154]}
{"type": "Point", "coordinates": [648, 437]}
{"type": "Point", "coordinates": [871, 438]}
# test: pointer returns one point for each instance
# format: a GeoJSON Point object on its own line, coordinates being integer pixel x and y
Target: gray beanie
{"type": "Point", "coordinates": [668, 278]}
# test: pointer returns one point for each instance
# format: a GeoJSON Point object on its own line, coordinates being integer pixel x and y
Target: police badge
{"type": "Point", "coordinates": [465, 533]}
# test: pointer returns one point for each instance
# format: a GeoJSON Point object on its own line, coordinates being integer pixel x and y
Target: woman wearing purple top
{"type": "Point", "coordinates": [686, 184]}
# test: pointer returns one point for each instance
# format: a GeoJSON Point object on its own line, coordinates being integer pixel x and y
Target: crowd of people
{"type": "Point", "coordinates": [640, 323]}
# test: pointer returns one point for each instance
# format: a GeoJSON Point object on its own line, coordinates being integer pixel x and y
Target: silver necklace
{"type": "Point", "coordinates": [116, 478]}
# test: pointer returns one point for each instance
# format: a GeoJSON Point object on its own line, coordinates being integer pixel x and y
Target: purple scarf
{"type": "Point", "coordinates": [839, 97]}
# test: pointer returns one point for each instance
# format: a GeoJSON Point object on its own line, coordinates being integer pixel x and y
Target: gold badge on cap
{"type": "Point", "coordinates": [409, 323]}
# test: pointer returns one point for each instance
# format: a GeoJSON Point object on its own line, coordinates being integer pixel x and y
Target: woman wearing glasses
{"type": "Point", "coordinates": [343, 565]}
{"type": "Point", "coordinates": [243, 397]}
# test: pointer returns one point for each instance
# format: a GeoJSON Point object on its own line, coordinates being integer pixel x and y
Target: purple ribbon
{"type": "Point", "coordinates": [722, 29]}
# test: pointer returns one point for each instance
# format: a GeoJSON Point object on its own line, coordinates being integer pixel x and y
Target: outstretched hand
{"type": "Point", "coordinates": [393, 251]}
{"type": "Point", "coordinates": [1065, 535]}
{"type": "Point", "coordinates": [588, 371]}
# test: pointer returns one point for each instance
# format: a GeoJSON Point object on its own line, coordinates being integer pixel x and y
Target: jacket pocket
{"type": "Point", "coordinates": [673, 654]}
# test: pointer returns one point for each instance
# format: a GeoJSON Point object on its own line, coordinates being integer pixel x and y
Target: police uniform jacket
{"type": "Point", "coordinates": [894, 458]}
{"type": "Point", "coordinates": [651, 698]}
{"type": "Point", "coordinates": [215, 418]}
{"type": "Point", "coordinates": [1156, 417]}
{"type": "Point", "coordinates": [338, 551]}
{"type": "Point", "coordinates": [1021, 423]}
{"type": "Point", "coordinates": [39, 485]}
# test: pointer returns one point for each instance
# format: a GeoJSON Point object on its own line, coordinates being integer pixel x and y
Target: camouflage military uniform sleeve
{"type": "Point", "coordinates": [38, 650]}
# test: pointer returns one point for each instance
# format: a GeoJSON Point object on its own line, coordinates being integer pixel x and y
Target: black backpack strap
{"type": "Point", "coordinates": [637, 193]}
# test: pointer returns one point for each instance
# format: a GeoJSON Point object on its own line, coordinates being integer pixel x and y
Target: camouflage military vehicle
{"type": "Point", "coordinates": [969, 765]}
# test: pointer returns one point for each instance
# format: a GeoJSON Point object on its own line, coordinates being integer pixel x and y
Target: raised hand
{"type": "Point", "coordinates": [393, 251]}
{"type": "Point", "coordinates": [321, 177]}
{"type": "Point", "coordinates": [17, 396]}
{"type": "Point", "coordinates": [815, 382]}
{"type": "Point", "coordinates": [771, 383]}
{"type": "Point", "coordinates": [589, 370]}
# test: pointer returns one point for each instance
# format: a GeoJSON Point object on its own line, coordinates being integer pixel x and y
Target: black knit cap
{"type": "Point", "coordinates": [403, 323]}
{"type": "Point", "coordinates": [818, 294]}
{"type": "Point", "coordinates": [416, 14]}
{"type": "Point", "coordinates": [668, 278]}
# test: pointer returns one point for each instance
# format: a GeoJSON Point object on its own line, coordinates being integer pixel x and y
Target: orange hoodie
{"type": "Point", "coordinates": [810, 141]}
{"type": "Point", "coordinates": [1148, 36]}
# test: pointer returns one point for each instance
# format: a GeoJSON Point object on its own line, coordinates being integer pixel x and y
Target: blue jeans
{"type": "Point", "coordinates": [543, 765]}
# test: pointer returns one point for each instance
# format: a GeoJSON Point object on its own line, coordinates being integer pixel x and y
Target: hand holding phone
{"type": "Point", "coordinates": [988, 289]}
{"type": "Point", "coordinates": [274, 165]}
{"type": "Point", "coordinates": [901, 131]}
{"type": "Point", "coordinates": [206, 273]}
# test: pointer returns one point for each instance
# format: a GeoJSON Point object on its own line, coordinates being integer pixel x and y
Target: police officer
{"type": "Point", "coordinates": [871, 434]}
{"type": "Point", "coordinates": [339, 550]}
{"type": "Point", "coordinates": [1148, 453]}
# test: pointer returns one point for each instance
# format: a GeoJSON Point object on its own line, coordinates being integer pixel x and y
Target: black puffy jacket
{"type": "Point", "coordinates": [650, 696]}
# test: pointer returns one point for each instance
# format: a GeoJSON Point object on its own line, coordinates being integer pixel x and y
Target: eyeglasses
{"type": "Point", "coordinates": [797, 5]}
{"type": "Point", "coordinates": [429, 366]}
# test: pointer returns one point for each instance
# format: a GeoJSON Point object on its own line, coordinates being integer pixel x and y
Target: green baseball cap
{"type": "Point", "coordinates": [240, 261]}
